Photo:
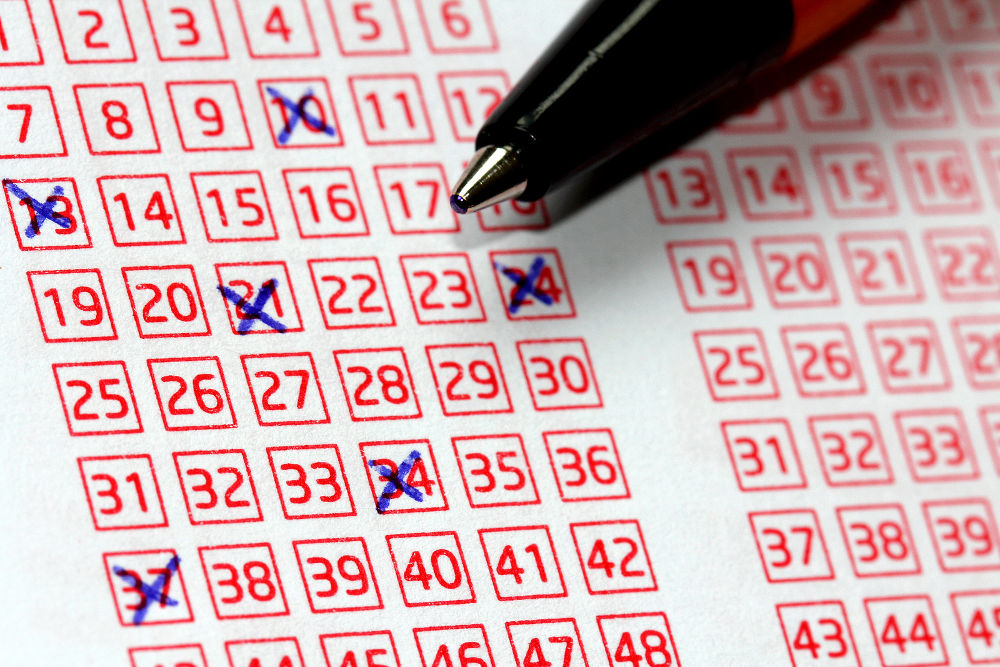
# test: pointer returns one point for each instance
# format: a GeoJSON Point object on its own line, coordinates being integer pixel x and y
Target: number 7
{"type": "Point", "coordinates": [26, 110]}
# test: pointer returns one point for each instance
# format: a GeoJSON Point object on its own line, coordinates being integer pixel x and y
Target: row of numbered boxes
{"type": "Point", "coordinates": [123, 492]}
{"type": "Point", "coordinates": [338, 575]}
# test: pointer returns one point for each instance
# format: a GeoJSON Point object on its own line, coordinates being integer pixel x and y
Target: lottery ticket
{"type": "Point", "coordinates": [271, 403]}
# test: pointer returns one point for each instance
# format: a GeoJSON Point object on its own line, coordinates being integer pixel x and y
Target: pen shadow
{"type": "Point", "coordinates": [577, 195]}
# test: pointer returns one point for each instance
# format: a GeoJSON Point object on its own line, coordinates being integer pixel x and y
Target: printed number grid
{"type": "Point", "coordinates": [762, 369]}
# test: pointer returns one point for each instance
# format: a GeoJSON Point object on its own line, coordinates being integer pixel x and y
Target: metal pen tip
{"type": "Point", "coordinates": [494, 174]}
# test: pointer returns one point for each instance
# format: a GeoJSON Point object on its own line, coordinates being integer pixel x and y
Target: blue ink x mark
{"type": "Point", "coordinates": [395, 481]}
{"type": "Point", "coordinates": [254, 311]}
{"type": "Point", "coordinates": [526, 284]}
{"type": "Point", "coordinates": [151, 593]}
{"type": "Point", "coordinates": [42, 211]}
{"type": "Point", "coordinates": [296, 110]}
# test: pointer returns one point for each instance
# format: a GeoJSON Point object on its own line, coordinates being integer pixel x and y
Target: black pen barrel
{"type": "Point", "coordinates": [621, 70]}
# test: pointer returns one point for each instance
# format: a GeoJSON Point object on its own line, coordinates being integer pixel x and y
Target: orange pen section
{"type": "Point", "coordinates": [815, 19]}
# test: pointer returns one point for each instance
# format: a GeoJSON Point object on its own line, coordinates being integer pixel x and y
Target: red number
{"type": "Point", "coordinates": [391, 109]}
{"type": "Point", "coordinates": [796, 271]}
{"type": "Point", "coordinates": [817, 633]}
{"type": "Point", "coordinates": [881, 267]}
{"type": "Point", "coordinates": [243, 581]}
{"type": "Point", "coordinates": [462, 645]}
{"type": "Point", "coordinates": [522, 562]}
{"type": "Point", "coordinates": [936, 444]}
{"type": "Point", "coordinates": [326, 202]}
{"type": "Point", "coordinates": [546, 643]}
{"type": "Point", "coordinates": [430, 568]}
{"type": "Point", "coordinates": [978, 341]}
{"type": "Point", "coordinates": [209, 115]}
{"type": "Point", "coordinates": [906, 631]}
{"type": "Point", "coordinates": [709, 275]}
{"type": "Point", "coordinates": [368, 27]}
{"type": "Point", "coordinates": [122, 491]}
{"type": "Point", "coordinates": [470, 97]}
{"type": "Point", "coordinates": [97, 398]}
{"type": "Point", "coordinates": [735, 364]}
{"type": "Point", "coordinates": [285, 389]}
{"type": "Point", "coordinates": [613, 557]}
{"type": "Point", "coordinates": [166, 301]}
{"type": "Point", "coordinates": [791, 545]}
{"type": "Point", "coordinates": [769, 183]}
{"type": "Point", "coordinates": [909, 355]}
{"type": "Point", "coordinates": [978, 616]}
{"type": "Point", "coordinates": [377, 384]}
{"type": "Point", "coordinates": [832, 99]}
{"type": "Point", "coordinates": [71, 305]}
{"type": "Point", "coordinates": [130, 572]}
{"type": "Point", "coordinates": [337, 574]}
{"type": "Point", "coordinates": [851, 449]}
{"type": "Point", "coordinates": [965, 534]}
{"type": "Point", "coordinates": [469, 379]}
{"type": "Point", "coordinates": [218, 487]}
{"type": "Point", "coordinates": [965, 262]}
{"type": "Point", "coordinates": [192, 393]}
{"type": "Point", "coordinates": [823, 360]}
{"type": "Point", "coordinates": [910, 90]}
{"type": "Point", "coordinates": [186, 30]}
{"type": "Point", "coordinates": [763, 454]}
{"type": "Point", "coordinates": [878, 540]}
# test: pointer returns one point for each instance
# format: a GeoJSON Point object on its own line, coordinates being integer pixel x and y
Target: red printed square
{"type": "Point", "coordinates": [186, 30]}
{"type": "Point", "coordinates": [855, 180]}
{"type": "Point", "coordinates": [495, 470]}
{"type": "Point", "coordinates": [964, 533]}
{"type": "Point", "coordinates": [878, 540]}
{"type": "Point", "coordinates": [368, 27]}
{"type": "Point", "coordinates": [818, 634]}
{"type": "Point", "coordinates": [46, 214]}
{"type": "Point", "coordinates": [31, 112]}
{"type": "Point", "coordinates": [311, 482]}
{"type": "Point", "coordinates": [337, 574]}
{"type": "Point", "coordinates": [391, 109]}
{"type": "Point", "coordinates": [166, 301]}
{"type": "Point", "coordinates": [431, 569]}
{"type": "Point", "coordinates": [881, 267]}
{"type": "Point", "coordinates": [21, 37]}
{"type": "Point", "coordinates": [344, 648]}
{"type": "Point", "coordinates": [141, 209]}
{"type": "Point", "coordinates": [403, 476]}
{"type": "Point", "coordinates": [909, 356]}
{"type": "Point", "coordinates": [93, 31]}
{"type": "Point", "coordinates": [851, 449]}
{"type": "Point", "coordinates": [470, 97]}
{"type": "Point", "coordinates": [259, 298]}
{"type": "Point", "coordinates": [72, 305]}
{"type": "Point", "coordinates": [832, 99]}
{"type": "Point", "coordinates": [285, 389]}
{"type": "Point", "coordinates": [532, 284]}
{"type": "Point", "coordinates": [763, 454]}
{"type": "Point", "coordinates": [514, 214]}
{"type": "Point", "coordinates": [97, 398]}
{"type": "Point", "coordinates": [910, 90]}
{"type": "Point", "coordinates": [467, 643]}
{"type": "Point", "coordinates": [377, 384]}
{"type": "Point", "coordinates": [243, 581]}
{"type": "Point", "coordinates": [769, 183]}
{"type": "Point", "coordinates": [280, 651]}
{"type": "Point", "coordinates": [555, 641]}
{"type": "Point", "coordinates": [961, 21]}
{"type": "Point", "coordinates": [415, 198]}
{"type": "Point", "coordinates": [559, 374]}
{"type": "Point", "coordinates": [457, 26]}
{"type": "Point", "coordinates": [122, 492]}
{"type": "Point", "coordinates": [791, 546]}
{"type": "Point", "coordinates": [351, 293]}
{"type": "Point", "coordinates": [906, 631]}
{"type": "Point", "coordinates": [638, 636]}
{"type": "Point", "coordinates": [300, 113]}
{"type": "Point", "coordinates": [442, 288]}
{"type": "Point", "coordinates": [823, 360]}
{"type": "Point", "coordinates": [796, 271]}
{"type": "Point", "coordinates": [965, 263]}
{"type": "Point", "coordinates": [217, 486]}
{"type": "Point", "coordinates": [233, 206]}
{"type": "Point", "coordinates": [192, 393]}
{"type": "Point", "coordinates": [522, 562]}
{"type": "Point", "coordinates": [117, 119]}
{"type": "Point", "coordinates": [326, 202]}
{"type": "Point", "coordinates": [209, 115]}
{"type": "Point", "coordinates": [978, 340]}
{"type": "Point", "coordinates": [709, 275]}
{"type": "Point", "coordinates": [282, 29]}
{"type": "Point", "coordinates": [469, 379]}
{"type": "Point", "coordinates": [978, 617]}
{"type": "Point", "coordinates": [937, 445]}
{"type": "Point", "coordinates": [736, 364]}
{"type": "Point", "coordinates": [586, 465]}
{"type": "Point", "coordinates": [938, 177]}
{"type": "Point", "coordinates": [147, 587]}
{"type": "Point", "coordinates": [977, 76]}
{"type": "Point", "coordinates": [613, 557]}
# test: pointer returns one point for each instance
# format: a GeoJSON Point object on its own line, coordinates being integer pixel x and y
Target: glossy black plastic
{"type": "Point", "coordinates": [623, 69]}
